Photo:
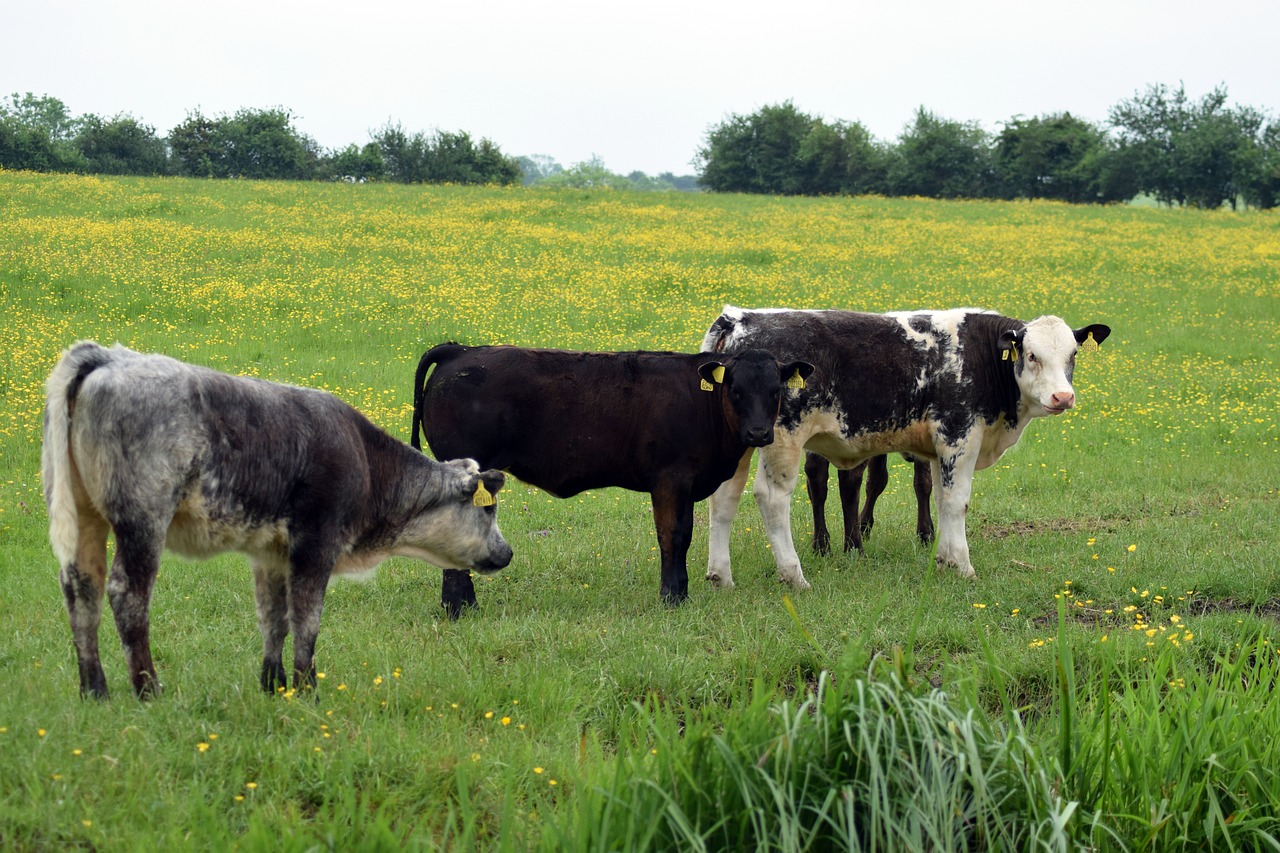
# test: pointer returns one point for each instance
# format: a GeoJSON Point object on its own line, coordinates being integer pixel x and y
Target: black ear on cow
{"type": "Point", "coordinates": [712, 373]}
{"type": "Point", "coordinates": [1098, 331]}
{"type": "Point", "coordinates": [795, 373]}
{"type": "Point", "coordinates": [1010, 343]}
{"type": "Point", "coordinates": [486, 486]}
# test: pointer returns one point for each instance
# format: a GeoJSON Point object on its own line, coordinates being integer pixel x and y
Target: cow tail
{"type": "Point", "coordinates": [55, 456]}
{"type": "Point", "coordinates": [429, 358]}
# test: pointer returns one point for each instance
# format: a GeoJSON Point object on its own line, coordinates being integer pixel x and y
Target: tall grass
{"type": "Point", "coordinates": [1142, 759]}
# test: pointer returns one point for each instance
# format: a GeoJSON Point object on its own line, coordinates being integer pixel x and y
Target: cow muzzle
{"type": "Point", "coordinates": [758, 436]}
{"type": "Point", "coordinates": [498, 559]}
{"type": "Point", "coordinates": [1059, 402]}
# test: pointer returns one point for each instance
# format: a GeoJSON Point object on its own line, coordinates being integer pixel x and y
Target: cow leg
{"type": "Point", "coordinates": [953, 472]}
{"type": "Point", "coordinates": [83, 581]}
{"type": "Point", "coordinates": [877, 480]}
{"type": "Point", "coordinates": [850, 488]}
{"type": "Point", "coordinates": [133, 574]}
{"type": "Point", "coordinates": [775, 482]}
{"type": "Point", "coordinates": [816, 475]}
{"type": "Point", "coordinates": [923, 483]}
{"type": "Point", "coordinates": [673, 517]}
{"type": "Point", "coordinates": [271, 593]}
{"type": "Point", "coordinates": [723, 506]}
{"type": "Point", "coordinates": [457, 592]}
{"type": "Point", "coordinates": [310, 568]}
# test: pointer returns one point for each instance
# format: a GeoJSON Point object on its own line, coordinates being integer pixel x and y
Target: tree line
{"type": "Point", "coordinates": [1180, 151]}
{"type": "Point", "coordinates": [39, 133]}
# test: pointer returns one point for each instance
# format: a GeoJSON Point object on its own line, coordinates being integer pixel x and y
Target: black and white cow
{"type": "Point", "coordinates": [670, 424]}
{"type": "Point", "coordinates": [955, 387]}
{"type": "Point", "coordinates": [170, 455]}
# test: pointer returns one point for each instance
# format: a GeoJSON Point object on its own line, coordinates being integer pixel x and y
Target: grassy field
{"type": "Point", "coordinates": [1126, 551]}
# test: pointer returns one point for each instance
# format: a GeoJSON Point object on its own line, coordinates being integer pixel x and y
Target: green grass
{"type": "Point", "coordinates": [1174, 450]}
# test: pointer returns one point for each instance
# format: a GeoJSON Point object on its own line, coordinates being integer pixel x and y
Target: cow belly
{"type": "Point", "coordinates": [194, 532]}
{"type": "Point", "coordinates": [847, 451]}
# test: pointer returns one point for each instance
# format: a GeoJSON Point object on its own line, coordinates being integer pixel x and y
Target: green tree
{"type": "Point", "coordinates": [1054, 156]}
{"type": "Point", "coordinates": [354, 163]}
{"type": "Point", "coordinates": [38, 133]}
{"type": "Point", "coordinates": [443, 158]}
{"type": "Point", "coordinates": [199, 147]}
{"type": "Point", "coordinates": [265, 144]}
{"type": "Point", "coordinates": [1201, 153]}
{"type": "Point", "coordinates": [755, 153]}
{"type": "Point", "coordinates": [121, 146]}
{"type": "Point", "coordinates": [941, 158]}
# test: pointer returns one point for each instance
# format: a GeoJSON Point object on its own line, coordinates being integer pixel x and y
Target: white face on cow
{"type": "Point", "coordinates": [1046, 363]}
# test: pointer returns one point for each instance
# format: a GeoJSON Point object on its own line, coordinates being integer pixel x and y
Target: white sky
{"type": "Point", "coordinates": [638, 84]}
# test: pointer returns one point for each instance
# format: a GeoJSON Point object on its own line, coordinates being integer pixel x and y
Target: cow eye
{"type": "Point", "coordinates": [1031, 357]}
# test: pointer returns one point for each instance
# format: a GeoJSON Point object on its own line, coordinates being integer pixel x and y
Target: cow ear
{"type": "Point", "coordinates": [712, 373]}
{"type": "Point", "coordinates": [486, 486]}
{"type": "Point", "coordinates": [1097, 331]}
{"type": "Point", "coordinates": [1010, 341]}
{"type": "Point", "coordinates": [795, 373]}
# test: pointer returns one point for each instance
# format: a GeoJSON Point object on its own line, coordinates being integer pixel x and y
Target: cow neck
{"type": "Point", "coordinates": [995, 379]}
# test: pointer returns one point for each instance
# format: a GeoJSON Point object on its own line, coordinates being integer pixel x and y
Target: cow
{"type": "Point", "coordinates": [857, 526]}
{"type": "Point", "coordinates": [674, 425]}
{"type": "Point", "coordinates": [955, 387]}
{"type": "Point", "coordinates": [170, 455]}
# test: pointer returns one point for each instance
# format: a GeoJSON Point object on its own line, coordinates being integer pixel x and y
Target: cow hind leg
{"type": "Point", "coordinates": [877, 468]}
{"type": "Point", "coordinates": [133, 574]}
{"type": "Point", "coordinates": [83, 581]}
{"type": "Point", "coordinates": [816, 476]}
{"type": "Point", "coordinates": [271, 593]}
{"type": "Point", "coordinates": [923, 484]}
{"type": "Point", "coordinates": [457, 592]}
{"type": "Point", "coordinates": [850, 488]}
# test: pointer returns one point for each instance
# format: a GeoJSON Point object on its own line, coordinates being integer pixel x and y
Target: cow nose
{"type": "Point", "coordinates": [759, 436]}
{"type": "Point", "coordinates": [1063, 399]}
{"type": "Point", "coordinates": [498, 558]}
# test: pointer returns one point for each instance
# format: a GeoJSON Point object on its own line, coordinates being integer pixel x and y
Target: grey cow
{"type": "Point", "coordinates": [171, 455]}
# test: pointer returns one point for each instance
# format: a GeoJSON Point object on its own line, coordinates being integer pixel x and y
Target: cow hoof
{"type": "Point", "coordinates": [795, 583]}
{"type": "Point", "coordinates": [719, 582]}
{"type": "Point", "coordinates": [965, 572]}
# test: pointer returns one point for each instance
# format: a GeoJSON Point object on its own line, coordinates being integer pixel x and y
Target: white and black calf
{"type": "Point", "coordinates": [954, 387]}
{"type": "Point", "coordinates": [170, 455]}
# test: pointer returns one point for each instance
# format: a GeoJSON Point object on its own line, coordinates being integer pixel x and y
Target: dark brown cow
{"type": "Point", "coordinates": [857, 526]}
{"type": "Point", "coordinates": [670, 424]}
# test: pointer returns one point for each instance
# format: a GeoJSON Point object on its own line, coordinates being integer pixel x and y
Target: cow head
{"type": "Point", "coordinates": [1044, 356]}
{"type": "Point", "coordinates": [458, 528]}
{"type": "Point", "coordinates": [753, 385]}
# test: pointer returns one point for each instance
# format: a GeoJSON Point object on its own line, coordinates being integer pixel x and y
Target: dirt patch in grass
{"type": "Point", "coordinates": [1096, 617]}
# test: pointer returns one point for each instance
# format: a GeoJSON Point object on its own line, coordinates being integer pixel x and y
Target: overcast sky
{"type": "Point", "coordinates": [638, 84]}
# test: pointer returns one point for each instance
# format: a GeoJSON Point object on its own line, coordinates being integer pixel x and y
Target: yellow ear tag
{"type": "Point", "coordinates": [1012, 351]}
{"type": "Point", "coordinates": [796, 380]}
{"type": "Point", "coordinates": [482, 496]}
{"type": "Point", "coordinates": [1089, 345]}
{"type": "Point", "coordinates": [706, 386]}
{"type": "Point", "coordinates": [718, 373]}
